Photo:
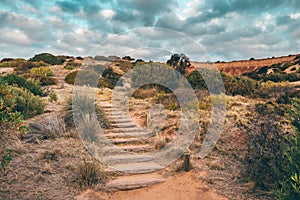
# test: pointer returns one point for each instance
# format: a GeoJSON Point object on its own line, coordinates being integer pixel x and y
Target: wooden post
{"type": "Point", "coordinates": [187, 162]}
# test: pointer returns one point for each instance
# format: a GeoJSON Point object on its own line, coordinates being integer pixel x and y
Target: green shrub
{"type": "Point", "coordinates": [280, 91]}
{"type": "Point", "coordinates": [111, 77]}
{"type": "Point", "coordinates": [72, 65]}
{"type": "Point", "coordinates": [266, 157]}
{"type": "Point", "coordinates": [70, 78]}
{"type": "Point", "coordinates": [41, 72]}
{"type": "Point", "coordinates": [18, 101]}
{"type": "Point", "coordinates": [44, 81]}
{"type": "Point", "coordinates": [234, 85]}
{"type": "Point", "coordinates": [85, 76]}
{"type": "Point", "coordinates": [160, 76]}
{"type": "Point", "coordinates": [273, 161]}
{"type": "Point", "coordinates": [23, 66]}
{"type": "Point", "coordinates": [239, 85]}
{"type": "Point", "coordinates": [169, 101]}
{"type": "Point", "coordinates": [43, 75]}
{"type": "Point", "coordinates": [6, 64]}
{"type": "Point", "coordinates": [53, 97]}
{"type": "Point", "coordinates": [13, 79]}
{"type": "Point", "coordinates": [48, 58]}
{"type": "Point", "coordinates": [6, 156]}
{"type": "Point", "coordinates": [290, 182]}
{"type": "Point", "coordinates": [26, 103]}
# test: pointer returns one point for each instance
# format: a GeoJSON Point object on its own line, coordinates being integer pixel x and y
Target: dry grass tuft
{"type": "Point", "coordinates": [82, 106]}
{"type": "Point", "coordinates": [51, 155]}
{"type": "Point", "coordinates": [51, 127]}
{"type": "Point", "coordinates": [159, 141]}
{"type": "Point", "coordinates": [91, 173]}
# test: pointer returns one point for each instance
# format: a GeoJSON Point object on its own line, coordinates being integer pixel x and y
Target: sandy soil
{"type": "Point", "coordinates": [181, 186]}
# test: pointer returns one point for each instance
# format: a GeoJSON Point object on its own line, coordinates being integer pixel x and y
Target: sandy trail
{"type": "Point", "coordinates": [181, 186]}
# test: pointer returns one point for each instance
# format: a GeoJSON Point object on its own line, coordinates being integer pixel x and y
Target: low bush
{"type": "Point", "coordinates": [290, 182]}
{"type": "Point", "coordinates": [6, 156]}
{"type": "Point", "coordinates": [18, 101]}
{"type": "Point", "coordinates": [234, 85]}
{"type": "Point", "coordinates": [72, 65]}
{"type": "Point", "coordinates": [43, 76]}
{"type": "Point", "coordinates": [23, 66]}
{"type": "Point", "coordinates": [111, 77]}
{"type": "Point", "coordinates": [280, 91]}
{"type": "Point", "coordinates": [13, 79]}
{"type": "Point", "coordinates": [266, 157]}
{"type": "Point", "coordinates": [53, 97]}
{"type": "Point", "coordinates": [48, 58]}
{"type": "Point", "coordinates": [26, 103]}
{"type": "Point", "coordinates": [169, 101]}
{"type": "Point", "coordinates": [87, 76]}
{"type": "Point", "coordinates": [70, 78]}
{"type": "Point", "coordinates": [273, 158]}
{"type": "Point", "coordinates": [45, 81]}
{"type": "Point", "coordinates": [41, 72]}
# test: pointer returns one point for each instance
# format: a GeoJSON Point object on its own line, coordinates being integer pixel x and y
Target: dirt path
{"type": "Point", "coordinates": [181, 186]}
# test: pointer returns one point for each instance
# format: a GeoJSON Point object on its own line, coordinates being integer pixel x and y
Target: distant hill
{"type": "Point", "coordinates": [245, 66]}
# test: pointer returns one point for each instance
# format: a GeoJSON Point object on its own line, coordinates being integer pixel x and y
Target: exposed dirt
{"type": "Point", "coordinates": [181, 186]}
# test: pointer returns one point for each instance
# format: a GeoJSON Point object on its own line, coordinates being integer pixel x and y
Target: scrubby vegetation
{"type": "Point", "coordinates": [272, 162]}
{"type": "Point", "coordinates": [17, 101]}
{"type": "Point", "coordinates": [28, 84]}
{"type": "Point", "coordinates": [41, 72]}
{"type": "Point", "coordinates": [70, 65]}
{"type": "Point", "coordinates": [48, 58]}
{"type": "Point", "coordinates": [43, 75]}
{"type": "Point", "coordinates": [84, 77]}
{"type": "Point", "coordinates": [22, 66]}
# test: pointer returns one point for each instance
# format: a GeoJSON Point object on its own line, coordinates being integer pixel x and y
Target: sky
{"type": "Point", "coordinates": [204, 30]}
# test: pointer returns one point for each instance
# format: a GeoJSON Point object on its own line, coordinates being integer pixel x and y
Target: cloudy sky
{"type": "Point", "coordinates": [221, 29]}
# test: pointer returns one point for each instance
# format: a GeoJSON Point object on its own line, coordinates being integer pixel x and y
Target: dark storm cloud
{"type": "Point", "coordinates": [126, 16]}
{"type": "Point", "coordinates": [149, 10]}
{"type": "Point", "coordinates": [283, 20]}
{"type": "Point", "coordinates": [68, 6]}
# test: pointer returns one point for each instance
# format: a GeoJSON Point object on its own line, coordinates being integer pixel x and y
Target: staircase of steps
{"type": "Point", "coordinates": [129, 153]}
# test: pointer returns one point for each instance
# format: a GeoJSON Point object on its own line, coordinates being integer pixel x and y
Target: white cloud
{"type": "Point", "coordinates": [55, 9]}
{"type": "Point", "coordinates": [14, 36]}
{"type": "Point", "coordinates": [295, 16]}
{"type": "Point", "coordinates": [29, 8]}
{"type": "Point", "coordinates": [57, 22]}
{"type": "Point", "coordinates": [109, 14]}
{"type": "Point", "coordinates": [192, 8]}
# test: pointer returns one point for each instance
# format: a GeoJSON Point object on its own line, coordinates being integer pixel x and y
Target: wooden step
{"type": "Point", "coordinates": [135, 168]}
{"type": "Point", "coordinates": [113, 150]}
{"type": "Point", "coordinates": [123, 130]}
{"type": "Point", "coordinates": [127, 158]}
{"type": "Point", "coordinates": [125, 125]}
{"type": "Point", "coordinates": [134, 182]}
{"type": "Point", "coordinates": [120, 121]}
{"type": "Point", "coordinates": [129, 135]}
{"type": "Point", "coordinates": [126, 140]}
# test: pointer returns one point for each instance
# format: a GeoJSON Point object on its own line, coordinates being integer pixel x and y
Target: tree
{"type": "Point", "coordinates": [180, 62]}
